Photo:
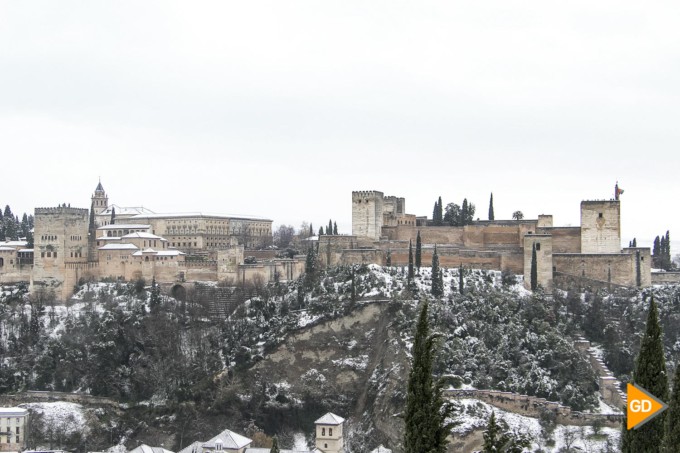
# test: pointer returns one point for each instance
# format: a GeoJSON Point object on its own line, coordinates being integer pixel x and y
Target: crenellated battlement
{"type": "Point", "coordinates": [62, 210]}
{"type": "Point", "coordinates": [366, 193]}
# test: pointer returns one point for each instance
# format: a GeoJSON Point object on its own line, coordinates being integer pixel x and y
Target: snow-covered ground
{"type": "Point", "coordinates": [62, 416]}
{"type": "Point", "coordinates": [474, 414]}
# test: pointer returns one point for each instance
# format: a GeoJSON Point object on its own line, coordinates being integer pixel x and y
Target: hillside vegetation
{"type": "Point", "coordinates": [337, 341]}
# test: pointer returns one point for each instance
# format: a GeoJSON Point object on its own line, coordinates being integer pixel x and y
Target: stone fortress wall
{"type": "Point", "coordinates": [591, 252]}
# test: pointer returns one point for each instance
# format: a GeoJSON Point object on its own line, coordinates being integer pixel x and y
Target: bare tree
{"type": "Point", "coordinates": [283, 236]}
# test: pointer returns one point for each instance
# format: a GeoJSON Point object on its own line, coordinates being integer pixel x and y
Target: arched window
{"type": "Point", "coordinates": [323, 431]}
{"type": "Point", "coordinates": [330, 431]}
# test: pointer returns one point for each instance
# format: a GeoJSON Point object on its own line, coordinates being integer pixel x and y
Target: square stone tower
{"type": "Point", "coordinates": [544, 259]}
{"type": "Point", "coordinates": [61, 239]}
{"type": "Point", "coordinates": [367, 214]}
{"type": "Point", "coordinates": [601, 226]}
{"type": "Point", "coordinates": [329, 437]}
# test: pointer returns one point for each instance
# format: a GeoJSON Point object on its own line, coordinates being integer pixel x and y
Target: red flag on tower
{"type": "Point", "coordinates": [617, 191]}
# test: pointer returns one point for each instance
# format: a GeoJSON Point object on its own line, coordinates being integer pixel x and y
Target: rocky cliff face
{"type": "Point", "coordinates": [354, 366]}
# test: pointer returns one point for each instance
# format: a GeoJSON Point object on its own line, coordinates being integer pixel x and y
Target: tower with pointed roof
{"type": "Point", "coordinates": [100, 200]}
{"type": "Point", "coordinates": [329, 438]}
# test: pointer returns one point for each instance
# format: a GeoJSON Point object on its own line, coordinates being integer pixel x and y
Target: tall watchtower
{"type": "Point", "coordinates": [367, 214]}
{"type": "Point", "coordinates": [61, 238]}
{"type": "Point", "coordinates": [601, 226]}
{"type": "Point", "coordinates": [100, 201]}
{"type": "Point", "coordinates": [329, 437]}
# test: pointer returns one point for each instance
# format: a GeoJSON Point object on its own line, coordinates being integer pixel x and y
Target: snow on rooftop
{"type": "Point", "coordinates": [198, 214]}
{"type": "Point", "coordinates": [125, 226]}
{"type": "Point", "coordinates": [118, 247]}
{"type": "Point", "coordinates": [142, 235]}
{"type": "Point", "coordinates": [330, 419]}
{"type": "Point", "coordinates": [126, 210]}
{"type": "Point", "coordinates": [7, 249]}
{"type": "Point", "coordinates": [12, 412]}
{"type": "Point", "coordinates": [228, 439]}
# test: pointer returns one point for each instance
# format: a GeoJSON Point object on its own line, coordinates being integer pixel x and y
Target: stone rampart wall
{"type": "Point", "coordinates": [621, 267]}
{"type": "Point", "coordinates": [564, 239]}
{"type": "Point", "coordinates": [665, 278]}
{"type": "Point", "coordinates": [532, 406]}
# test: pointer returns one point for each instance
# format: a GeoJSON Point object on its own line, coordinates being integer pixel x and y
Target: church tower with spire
{"type": "Point", "coordinates": [100, 201]}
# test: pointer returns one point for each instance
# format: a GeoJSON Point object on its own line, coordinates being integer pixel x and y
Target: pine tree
{"type": "Point", "coordinates": [437, 283]}
{"type": "Point", "coordinates": [426, 428]}
{"type": "Point", "coordinates": [335, 228]}
{"type": "Point", "coordinates": [672, 428]}
{"type": "Point", "coordinates": [534, 269]}
{"type": "Point", "coordinates": [650, 373]}
{"type": "Point", "coordinates": [275, 446]}
{"type": "Point", "coordinates": [419, 251]}
{"type": "Point", "coordinates": [410, 261]}
{"type": "Point", "coordinates": [491, 216]}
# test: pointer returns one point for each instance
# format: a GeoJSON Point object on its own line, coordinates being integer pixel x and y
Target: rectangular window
{"type": "Point", "coordinates": [538, 246]}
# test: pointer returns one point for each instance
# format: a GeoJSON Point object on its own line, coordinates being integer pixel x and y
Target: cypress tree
{"type": "Point", "coordinates": [434, 213]}
{"type": "Point", "coordinates": [491, 215]}
{"type": "Point", "coordinates": [419, 251]}
{"type": "Point", "coordinates": [410, 261]}
{"type": "Point", "coordinates": [425, 416]}
{"type": "Point", "coordinates": [461, 279]}
{"type": "Point", "coordinates": [672, 428]}
{"type": "Point", "coordinates": [534, 269]}
{"type": "Point", "coordinates": [634, 242]}
{"type": "Point", "coordinates": [92, 227]}
{"type": "Point", "coordinates": [311, 230]}
{"type": "Point", "coordinates": [464, 212]}
{"type": "Point", "coordinates": [437, 278]}
{"type": "Point", "coordinates": [275, 446]}
{"type": "Point", "coordinates": [335, 228]}
{"type": "Point", "coordinates": [329, 230]}
{"type": "Point", "coordinates": [113, 215]}
{"type": "Point", "coordinates": [492, 435]}
{"type": "Point", "coordinates": [650, 373]}
{"type": "Point", "coordinates": [310, 268]}
{"type": "Point", "coordinates": [320, 231]}
{"type": "Point", "coordinates": [656, 252]}
{"type": "Point", "coordinates": [440, 212]}
{"type": "Point", "coordinates": [667, 252]}
{"type": "Point", "coordinates": [388, 258]}
{"type": "Point", "coordinates": [155, 299]}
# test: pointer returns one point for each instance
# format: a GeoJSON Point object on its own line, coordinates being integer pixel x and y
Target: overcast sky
{"type": "Point", "coordinates": [280, 109]}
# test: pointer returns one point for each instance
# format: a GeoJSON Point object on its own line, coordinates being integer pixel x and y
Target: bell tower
{"type": "Point", "coordinates": [100, 201]}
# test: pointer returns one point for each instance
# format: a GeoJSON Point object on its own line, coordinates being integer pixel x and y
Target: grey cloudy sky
{"type": "Point", "coordinates": [281, 109]}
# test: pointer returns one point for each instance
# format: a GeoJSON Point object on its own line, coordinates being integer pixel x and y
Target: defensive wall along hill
{"type": "Point", "coordinates": [591, 252]}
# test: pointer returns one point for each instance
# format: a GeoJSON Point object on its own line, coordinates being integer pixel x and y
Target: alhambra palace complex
{"type": "Point", "coordinates": [72, 244]}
